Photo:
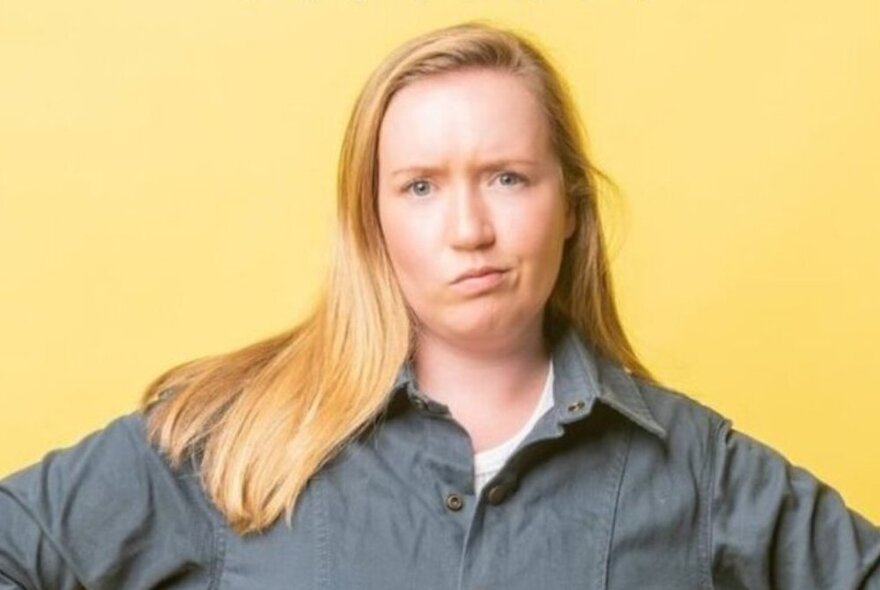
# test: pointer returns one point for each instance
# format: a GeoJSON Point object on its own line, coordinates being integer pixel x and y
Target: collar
{"type": "Point", "coordinates": [581, 377]}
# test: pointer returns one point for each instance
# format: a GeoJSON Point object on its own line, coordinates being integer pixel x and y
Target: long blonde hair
{"type": "Point", "coordinates": [264, 419]}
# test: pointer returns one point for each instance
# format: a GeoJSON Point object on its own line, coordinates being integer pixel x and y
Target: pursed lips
{"type": "Point", "coordinates": [478, 272]}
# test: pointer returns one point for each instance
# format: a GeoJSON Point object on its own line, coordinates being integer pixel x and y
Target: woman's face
{"type": "Point", "coordinates": [468, 180]}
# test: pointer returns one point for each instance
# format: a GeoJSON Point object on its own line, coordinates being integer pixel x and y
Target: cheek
{"type": "Point", "coordinates": [537, 232]}
{"type": "Point", "coordinates": [544, 254]}
{"type": "Point", "coordinates": [409, 247]}
{"type": "Point", "coordinates": [539, 246]}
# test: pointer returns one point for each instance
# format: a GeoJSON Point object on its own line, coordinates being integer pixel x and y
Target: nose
{"type": "Point", "coordinates": [469, 220]}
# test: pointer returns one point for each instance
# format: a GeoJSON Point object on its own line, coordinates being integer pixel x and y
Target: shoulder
{"type": "Point", "coordinates": [110, 495]}
{"type": "Point", "coordinates": [679, 412]}
{"type": "Point", "coordinates": [690, 422]}
{"type": "Point", "coordinates": [112, 449]}
{"type": "Point", "coordinates": [674, 418]}
{"type": "Point", "coordinates": [116, 458]}
{"type": "Point", "coordinates": [757, 504]}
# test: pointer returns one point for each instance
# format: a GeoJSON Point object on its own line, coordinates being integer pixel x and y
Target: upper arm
{"type": "Point", "coordinates": [103, 513]}
{"type": "Point", "coordinates": [29, 558]}
{"type": "Point", "coordinates": [775, 525]}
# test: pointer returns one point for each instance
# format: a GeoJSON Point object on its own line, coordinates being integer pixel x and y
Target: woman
{"type": "Point", "coordinates": [462, 408]}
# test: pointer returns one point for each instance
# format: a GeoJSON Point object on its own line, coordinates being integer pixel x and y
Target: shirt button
{"type": "Point", "coordinates": [435, 408]}
{"type": "Point", "coordinates": [497, 494]}
{"type": "Point", "coordinates": [454, 502]}
{"type": "Point", "coordinates": [419, 403]}
{"type": "Point", "coordinates": [574, 407]}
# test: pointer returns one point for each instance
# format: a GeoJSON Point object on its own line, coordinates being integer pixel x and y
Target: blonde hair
{"type": "Point", "coordinates": [264, 419]}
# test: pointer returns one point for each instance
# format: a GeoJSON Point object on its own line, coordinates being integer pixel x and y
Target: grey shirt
{"type": "Point", "coordinates": [621, 485]}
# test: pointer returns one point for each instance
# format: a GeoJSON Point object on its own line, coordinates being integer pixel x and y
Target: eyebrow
{"type": "Point", "coordinates": [493, 165]}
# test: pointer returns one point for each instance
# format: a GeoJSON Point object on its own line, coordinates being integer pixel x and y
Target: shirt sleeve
{"type": "Point", "coordinates": [107, 512]}
{"type": "Point", "coordinates": [774, 525]}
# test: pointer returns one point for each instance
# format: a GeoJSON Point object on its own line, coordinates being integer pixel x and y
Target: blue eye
{"type": "Point", "coordinates": [513, 175]}
{"type": "Point", "coordinates": [422, 186]}
{"type": "Point", "coordinates": [417, 183]}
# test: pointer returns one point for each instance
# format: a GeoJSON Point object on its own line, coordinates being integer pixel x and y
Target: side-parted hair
{"type": "Point", "coordinates": [262, 420]}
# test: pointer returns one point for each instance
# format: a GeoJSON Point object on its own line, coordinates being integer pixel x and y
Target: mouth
{"type": "Point", "coordinates": [480, 282]}
{"type": "Point", "coordinates": [476, 273]}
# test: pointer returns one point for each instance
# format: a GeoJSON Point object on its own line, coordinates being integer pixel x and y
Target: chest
{"type": "Point", "coordinates": [590, 507]}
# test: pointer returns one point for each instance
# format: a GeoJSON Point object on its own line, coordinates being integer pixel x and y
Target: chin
{"type": "Point", "coordinates": [480, 324]}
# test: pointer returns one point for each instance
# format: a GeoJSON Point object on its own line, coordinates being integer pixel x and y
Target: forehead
{"type": "Point", "coordinates": [463, 114]}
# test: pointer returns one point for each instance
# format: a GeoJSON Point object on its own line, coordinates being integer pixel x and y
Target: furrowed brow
{"type": "Point", "coordinates": [493, 165]}
{"type": "Point", "coordinates": [416, 171]}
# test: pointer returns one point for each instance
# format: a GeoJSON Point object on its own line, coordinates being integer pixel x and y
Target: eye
{"type": "Point", "coordinates": [513, 178]}
{"type": "Point", "coordinates": [417, 184]}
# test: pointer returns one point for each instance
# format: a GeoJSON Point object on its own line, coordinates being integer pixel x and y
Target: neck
{"type": "Point", "coordinates": [477, 373]}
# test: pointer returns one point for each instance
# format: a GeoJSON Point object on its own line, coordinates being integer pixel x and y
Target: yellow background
{"type": "Point", "coordinates": [167, 184]}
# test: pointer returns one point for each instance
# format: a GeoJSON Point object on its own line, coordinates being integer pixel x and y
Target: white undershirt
{"type": "Point", "coordinates": [487, 463]}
